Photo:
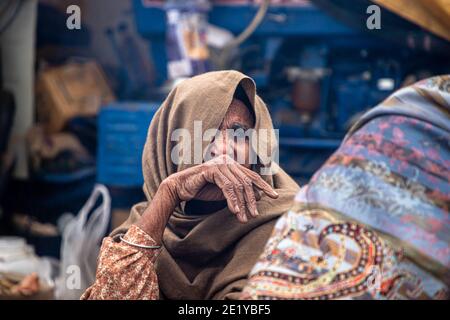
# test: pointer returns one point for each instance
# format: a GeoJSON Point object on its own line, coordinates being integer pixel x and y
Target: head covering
{"type": "Point", "coordinates": [207, 256]}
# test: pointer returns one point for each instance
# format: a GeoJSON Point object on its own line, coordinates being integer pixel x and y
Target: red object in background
{"type": "Point", "coordinates": [305, 95]}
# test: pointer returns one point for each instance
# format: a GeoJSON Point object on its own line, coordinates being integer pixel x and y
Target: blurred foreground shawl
{"type": "Point", "coordinates": [373, 223]}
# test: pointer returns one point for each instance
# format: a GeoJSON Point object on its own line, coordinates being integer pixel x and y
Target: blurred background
{"type": "Point", "coordinates": [80, 81]}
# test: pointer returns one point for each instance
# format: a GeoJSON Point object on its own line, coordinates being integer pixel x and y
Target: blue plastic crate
{"type": "Point", "coordinates": [122, 131]}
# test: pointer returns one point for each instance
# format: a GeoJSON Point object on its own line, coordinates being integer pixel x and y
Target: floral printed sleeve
{"type": "Point", "coordinates": [125, 271]}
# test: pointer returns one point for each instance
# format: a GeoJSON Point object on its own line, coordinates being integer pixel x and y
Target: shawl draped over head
{"type": "Point", "coordinates": [206, 256]}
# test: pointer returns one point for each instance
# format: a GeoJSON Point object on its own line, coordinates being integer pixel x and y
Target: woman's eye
{"type": "Point", "coordinates": [237, 126]}
{"type": "Point", "coordinates": [238, 131]}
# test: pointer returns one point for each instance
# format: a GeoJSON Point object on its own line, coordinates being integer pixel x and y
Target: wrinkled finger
{"type": "Point", "coordinates": [260, 183]}
{"type": "Point", "coordinates": [258, 193]}
{"type": "Point", "coordinates": [239, 190]}
{"type": "Point", "coordinates": [215, 176]}
{"type": "Point", "coordinates": [249, 192]}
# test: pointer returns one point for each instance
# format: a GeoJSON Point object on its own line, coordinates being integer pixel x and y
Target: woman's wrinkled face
{"type": "Point", "coordinates": [236, 122]}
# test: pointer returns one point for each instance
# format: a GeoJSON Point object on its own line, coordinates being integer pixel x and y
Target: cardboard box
{"type": "Point", "coordinates": [74, 89]}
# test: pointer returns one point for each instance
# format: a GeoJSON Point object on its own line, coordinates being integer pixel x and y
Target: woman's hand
{"type": "Point", "coordinates": [218, 179]}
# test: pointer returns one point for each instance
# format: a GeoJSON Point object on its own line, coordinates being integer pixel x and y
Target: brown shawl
{"type": "Point", "coordinates": [206, 256]}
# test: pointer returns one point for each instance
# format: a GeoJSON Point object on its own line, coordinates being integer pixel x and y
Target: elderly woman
{"type": "Point", "coordinates": [373, 223]}
{"type": "Point", "coordinates": [205, 222]}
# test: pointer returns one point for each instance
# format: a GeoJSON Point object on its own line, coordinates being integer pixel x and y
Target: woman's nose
{"type": "Point", "coordinates": [220, 146]}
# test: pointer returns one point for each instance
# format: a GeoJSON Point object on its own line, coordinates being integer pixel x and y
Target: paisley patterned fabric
{"type": "Point", "coordinates": [373, 223]}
